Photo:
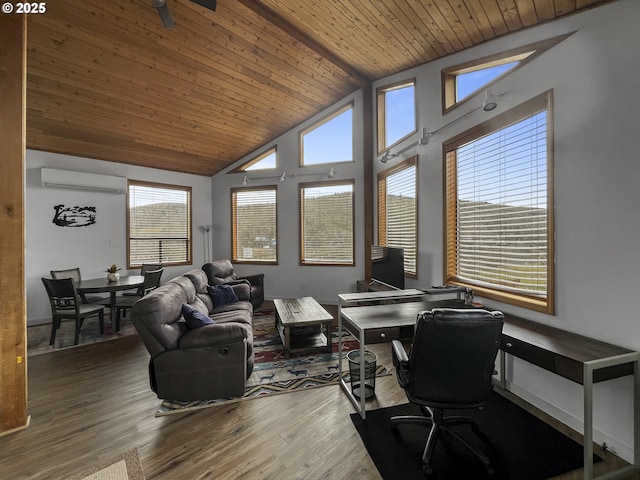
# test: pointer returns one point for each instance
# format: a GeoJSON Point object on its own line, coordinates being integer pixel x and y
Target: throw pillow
{"type": "Point", "coordinates": [221, 294]}
{"type": "Point", "coordinates": [194, 317]}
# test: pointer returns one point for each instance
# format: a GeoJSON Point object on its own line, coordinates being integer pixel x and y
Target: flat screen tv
{"type": "Point", "coordinates": [387, 265]}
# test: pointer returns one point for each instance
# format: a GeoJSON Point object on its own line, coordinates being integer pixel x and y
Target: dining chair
{"type": "Point", "coordinates": [65, 305]}
{"type": "Point", "coordinates": [143, 269]}
{"type": "Point", "coordinates": [123, 303]}
{"type": "Point", "coordinates": [76, 276]}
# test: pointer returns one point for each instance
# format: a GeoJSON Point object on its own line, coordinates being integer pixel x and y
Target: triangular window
{"type": "Point", "coordinates": [464, 81]}
{"type": "Point", "coordinates": [265, 161]}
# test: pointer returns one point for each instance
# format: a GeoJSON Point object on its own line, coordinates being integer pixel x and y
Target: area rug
{"type": "Point", "coordinates": [274, 374]}
{"type": "Point", "coordinates": [38, 335]}
{"type": "Point", "coordinates": [520, 446]}
{"type": "Point", "coordinates": [123, 467]}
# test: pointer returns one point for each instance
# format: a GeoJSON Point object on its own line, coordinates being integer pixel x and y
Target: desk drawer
{"type": "Point", "coordinates": [530, 353]}
{"type": "Point", "coordinates": [381, 335]}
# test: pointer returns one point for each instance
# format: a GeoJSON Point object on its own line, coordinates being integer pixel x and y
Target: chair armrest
{"type": "Point", "coordinates": [242, 291]}
{"type": "Point", "coordinates": [216, 335]}
{"type": "Point", "coordinates": [401, 362]}
{"type": "Point", "coordinates": [257, 279]}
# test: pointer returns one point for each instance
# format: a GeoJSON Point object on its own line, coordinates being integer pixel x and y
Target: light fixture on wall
{"type": "Point", "coordinates": [282, 177]}
{"type": "Point", "coordinates": [489, 103]}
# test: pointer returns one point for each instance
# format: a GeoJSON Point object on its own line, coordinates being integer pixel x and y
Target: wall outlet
{"type": "Point", "coordinates": [304, 285]}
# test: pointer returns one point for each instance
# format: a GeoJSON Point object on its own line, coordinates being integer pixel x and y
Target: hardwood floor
{"type": "Point", "coordinates": [91, 403]}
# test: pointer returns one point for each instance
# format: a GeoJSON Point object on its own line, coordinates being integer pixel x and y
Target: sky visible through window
{"type": "Point", "coordinates": [467, 83]}
{"type": "Point", "coordinates": [400, 113]}
{"type": "Point", "coordinates": [149, 195]}
{"type": "Point", "coordinates": [507, 167]}
{"type": "Point", "coordinates": [330, 142]}
{"type": "Point", "coordinates": [268, 162]}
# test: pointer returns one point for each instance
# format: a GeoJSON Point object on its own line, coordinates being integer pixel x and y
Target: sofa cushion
{"type": "Point", "coordinates": [194, 317]}
{"type": "Point", "coordinates": [221, 295]}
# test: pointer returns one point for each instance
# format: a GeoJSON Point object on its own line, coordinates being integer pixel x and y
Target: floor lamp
{"type": "Point", "coordinates": [207, 243]}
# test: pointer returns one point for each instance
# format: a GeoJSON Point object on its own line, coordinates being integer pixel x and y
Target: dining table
{"type": "Point", "coordinates": [102, 285]}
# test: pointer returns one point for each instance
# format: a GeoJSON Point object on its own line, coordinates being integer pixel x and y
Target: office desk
{"type": "Point", "coordinates": [578, 358]}
{"type": "Point", "coordinates": [101, 285]}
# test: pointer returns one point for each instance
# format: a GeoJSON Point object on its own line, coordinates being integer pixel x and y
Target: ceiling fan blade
{"type": "Point", "coordinates": [163, 10]}
{"type": "Point", "coordinates": [210, 4]}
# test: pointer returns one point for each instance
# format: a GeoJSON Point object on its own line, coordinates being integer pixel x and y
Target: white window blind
{"type": "Point", "coordinates": [500, 235]}
{"type": "Point", "coordinates": [159, 224]}
{"type": "Point", "coordinates": [326, 224]}
{"type": "Point", "coordinates": [254, 225]}
{"type": "Point", "coordinates": [397, 212]}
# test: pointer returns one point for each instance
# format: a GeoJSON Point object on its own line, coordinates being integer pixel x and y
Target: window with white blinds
{"type": "Point", "coordinates": [500, 207]}
{"type": "Point", "coordinates": [397, 211]}
{"type": "Point", "coordinates": [159, 224]}
{"type": "Point", "coordinates": [326, 223]}
{"type": "Point", "coordinates": [254, 225]}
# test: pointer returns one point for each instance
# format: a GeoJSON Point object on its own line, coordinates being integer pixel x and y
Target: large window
{"type": "Point", "coordinates": [396, 109]}
{"type": "Point", "coordinates": [330, 140]}
{"type": "Point", "coordinates": [499, 207]}
{"type": "Point", "coordinates": [397, 211]}
{"type": "Point", "coordinates": [159, 224]}
{"type": "Point", "coordinates": [254, 225]}
{"type": "Point", "coordinates": [326, 223]}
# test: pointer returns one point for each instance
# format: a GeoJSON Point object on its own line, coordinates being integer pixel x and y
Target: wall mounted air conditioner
{"type": "Point", "coordinates": [50, 177]}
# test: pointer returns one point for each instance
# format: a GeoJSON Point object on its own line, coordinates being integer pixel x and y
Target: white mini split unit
{"type": "Point", "coordinates": [82, 181]}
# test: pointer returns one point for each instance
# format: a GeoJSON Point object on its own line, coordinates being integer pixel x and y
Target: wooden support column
{"type": "Point", "coordinates": [13, 332]}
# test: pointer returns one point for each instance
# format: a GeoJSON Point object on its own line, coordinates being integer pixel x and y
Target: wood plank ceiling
{"type": "Point", "coordinates": [106, 80]}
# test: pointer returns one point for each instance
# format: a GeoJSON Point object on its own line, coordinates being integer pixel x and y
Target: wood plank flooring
{"type": "Point", "coordinates": [91, 403]}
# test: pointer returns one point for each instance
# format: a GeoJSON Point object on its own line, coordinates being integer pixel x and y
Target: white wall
{"type": "Point", "coordinates": [289, 278]}
{"type": "Point", "coordinates": [593, 75]}
{"type": "Point", "coordinates": [94, 247]}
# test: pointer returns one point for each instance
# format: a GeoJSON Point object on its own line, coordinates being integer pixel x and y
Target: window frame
{"type": "Point", "coordinates": [523, 55]}
{"type": "Point", "coordinates": [257, 159]}
{"type": "Point", "coordinates": [301, 188]}
{"type": "Point", "coordinates": [382, 203]}
{"type": "Point", "coordinates": [234, 246]}
{"type": "Point", "coordinates": [165, 186]}
{"type": "Point", "coordinates": [527, 109]}
{"type": "Point", "coordinates": [381, 117]}
{"type": "Point", "coordinates": [322, 121]}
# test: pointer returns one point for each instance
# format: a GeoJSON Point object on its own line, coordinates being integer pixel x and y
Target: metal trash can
{"type": "Point", "coordinates": [369, 381]}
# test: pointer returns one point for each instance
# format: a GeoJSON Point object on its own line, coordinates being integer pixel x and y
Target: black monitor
{"type": "Point", "coordinates": [387, 266]}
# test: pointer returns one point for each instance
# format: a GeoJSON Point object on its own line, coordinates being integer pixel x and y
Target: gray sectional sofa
{"type": "Point", "coordinates": [209, 362]}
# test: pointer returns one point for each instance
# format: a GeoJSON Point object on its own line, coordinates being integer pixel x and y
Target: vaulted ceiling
{"type": "Point", "coordinates": [107, 80]}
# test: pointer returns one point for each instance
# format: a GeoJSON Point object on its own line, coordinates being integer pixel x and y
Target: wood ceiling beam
{"type": "Point", "coordinates": [361, 80]}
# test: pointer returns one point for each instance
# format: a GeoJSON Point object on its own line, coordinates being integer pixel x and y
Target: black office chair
{"type": "Point", "coordinates": [74, 273]}
{"type": "Point", "coordinates": [449, 366]}
{"type": "Point", "coordinates": [65, 305]}
{"type": "Point", "coordinates": [124, 303]}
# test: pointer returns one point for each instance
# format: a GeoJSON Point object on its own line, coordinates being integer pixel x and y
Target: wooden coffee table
{"type": "Point", "coordinates": [299, 322]}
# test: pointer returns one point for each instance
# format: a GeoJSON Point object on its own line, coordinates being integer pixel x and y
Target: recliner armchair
{"type": "Point", "coordinates": [221, 272]}
{"type": "Point", "coordinates": [449, 366]}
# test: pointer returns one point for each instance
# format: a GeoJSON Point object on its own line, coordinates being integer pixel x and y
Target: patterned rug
{"type": "Point", "coordinates": [274, 374]}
